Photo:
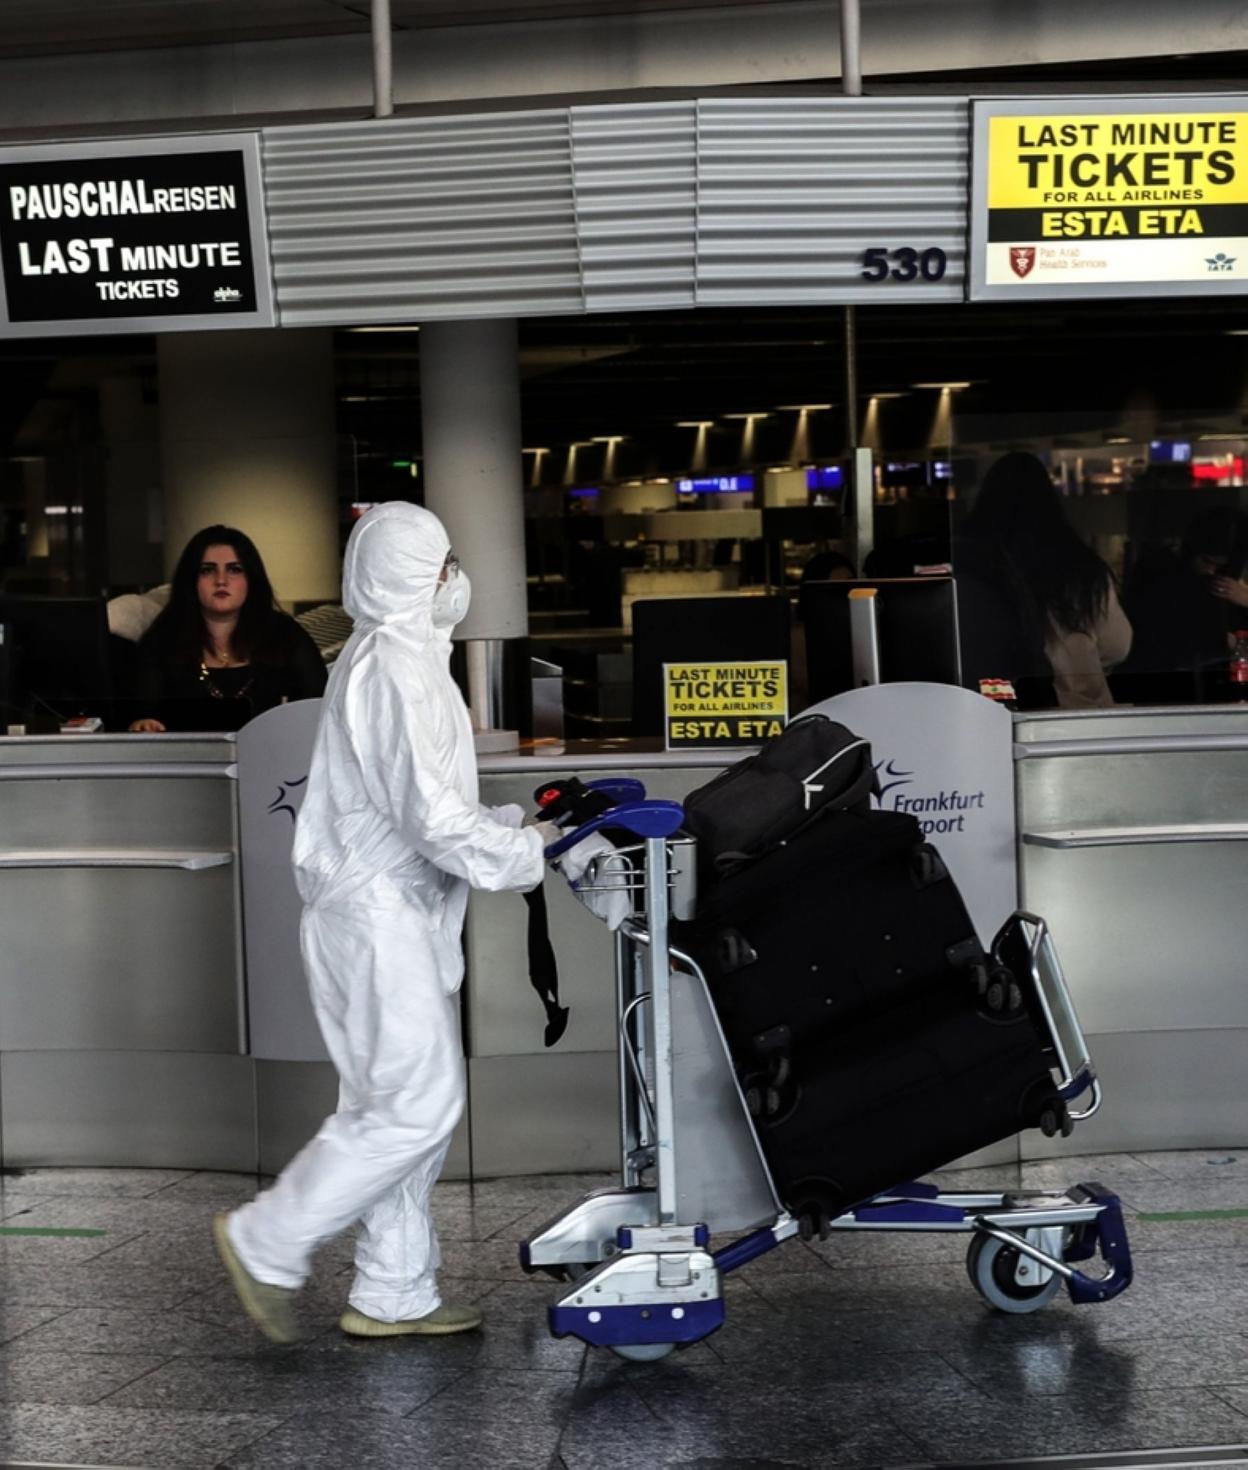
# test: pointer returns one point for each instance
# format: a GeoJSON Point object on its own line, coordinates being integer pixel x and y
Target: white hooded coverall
{"type": "Point", "coordinates": [390, 838]}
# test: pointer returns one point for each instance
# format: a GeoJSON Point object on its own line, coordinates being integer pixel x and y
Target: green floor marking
{"type": "Point", "coordinates": [30, 1230]}
{"type": "Point", "coordinates": [1197, 1215]}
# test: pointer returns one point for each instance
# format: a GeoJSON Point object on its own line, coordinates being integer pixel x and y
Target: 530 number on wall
{"type": "Point", "coordinates": [906, 264]}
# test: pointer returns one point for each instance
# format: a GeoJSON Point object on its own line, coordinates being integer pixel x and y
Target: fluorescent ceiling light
{"type": "Point", "coordinates": [383, 329]}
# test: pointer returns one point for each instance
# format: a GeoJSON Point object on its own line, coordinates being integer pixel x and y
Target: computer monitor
{"type": "Point", "coordinates": [55, 659]}
{"type": "Point", "coordinates": [669, 630]}
{"type": "Point", "coordinates": [917, 625]}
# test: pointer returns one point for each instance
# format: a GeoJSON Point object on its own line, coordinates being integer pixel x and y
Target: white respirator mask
{"type": "Point", "coordinates": [452, 599]}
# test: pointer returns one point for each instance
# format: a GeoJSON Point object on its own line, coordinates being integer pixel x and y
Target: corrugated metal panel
{"type": "Point", "coordinates": [792, 191]}
{"type": "Point", "coordinates": [636, 203]}
{"type": "Point", "coordinates": [418, 219]}
{"type": "Point", "coordinates": [624, 207]}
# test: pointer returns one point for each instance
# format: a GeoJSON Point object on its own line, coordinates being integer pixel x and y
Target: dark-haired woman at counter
{"type": "Point", "coordinates": [1065, 594]}
{"type": "Point", "coordinates": [222, 652]}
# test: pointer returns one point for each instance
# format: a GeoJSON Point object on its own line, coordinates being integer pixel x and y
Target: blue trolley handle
{"type": "Point", "coordinates": [642, 818]}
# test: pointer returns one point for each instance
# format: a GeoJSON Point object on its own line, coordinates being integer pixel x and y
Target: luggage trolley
{"type": "Point", "coordinates": [642, 1276]}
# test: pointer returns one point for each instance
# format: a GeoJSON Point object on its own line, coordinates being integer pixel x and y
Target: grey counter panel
{"type": "Point", "coordinates": [119, 959]}
{"type": "Point", "coordinates": [1136, 960]}
{"type": "Point", "coordinates": [1163, 1090]}
{"type": "Point", "coordinates": [109, 811]}
{"type": "Point", "coordinates": [550, 1114]}
{"type": "Point", "coordinates": [157, 1110]}
{"type": "Point", "coordinates": [294, 1098]}
{"type": "Point", "coordinates": [1144, 790]}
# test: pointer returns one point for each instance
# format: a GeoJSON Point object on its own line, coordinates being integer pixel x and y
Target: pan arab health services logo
{"type": "Point", "coordinates": [938, 813]}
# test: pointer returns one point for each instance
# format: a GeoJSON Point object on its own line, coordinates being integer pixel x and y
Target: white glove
{"type": "Point", "coordinates": [547, 831]}
{"type": "Point", "coordinates": [511, 814]}
{"type": "Point", "coordinates": [609, 897]}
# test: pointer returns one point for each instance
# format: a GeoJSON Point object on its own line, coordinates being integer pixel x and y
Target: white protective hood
{"type": "Point", "coordinates": [391, 814]}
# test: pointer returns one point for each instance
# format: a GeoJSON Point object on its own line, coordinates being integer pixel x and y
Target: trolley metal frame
{"type": "Point", "coordinates": [643, 1276]}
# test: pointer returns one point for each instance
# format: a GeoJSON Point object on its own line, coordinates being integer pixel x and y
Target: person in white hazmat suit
{"type": "Point", "coordinates": [390, 838]}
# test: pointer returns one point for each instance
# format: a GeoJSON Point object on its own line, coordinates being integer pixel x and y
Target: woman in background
{"type": "Point", "coordinates": [1063, 586]}
{"type": "Point", "coordinates": [222, 651]}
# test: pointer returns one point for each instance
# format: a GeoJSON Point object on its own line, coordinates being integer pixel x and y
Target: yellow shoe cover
{"type": "Point", "coordinates": [441, 1322]}
{"type": "Point", "coordinates": [271, 1308]}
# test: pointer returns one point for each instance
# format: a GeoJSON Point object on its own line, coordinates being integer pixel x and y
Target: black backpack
{"type": "Point", "coordinates": [813, 767]}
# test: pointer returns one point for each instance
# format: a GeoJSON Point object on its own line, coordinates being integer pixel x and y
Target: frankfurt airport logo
{"type": "Point", "coordinates": [937, 813]}
{"type": "Point", "coordinates": [1022, 259]}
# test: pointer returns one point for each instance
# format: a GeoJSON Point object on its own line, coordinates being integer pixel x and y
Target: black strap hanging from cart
{"type": "Point", "coordinates": [543, 969]}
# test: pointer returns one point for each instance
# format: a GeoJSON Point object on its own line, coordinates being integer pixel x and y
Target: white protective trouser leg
{"type": "Point", "coordinates": [394, 1035]}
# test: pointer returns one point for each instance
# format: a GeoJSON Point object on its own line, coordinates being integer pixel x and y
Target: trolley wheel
{"type": "Point", "coordinates": [991, 1264]}
{"type": "Point", "coordinates": [643, 1352]}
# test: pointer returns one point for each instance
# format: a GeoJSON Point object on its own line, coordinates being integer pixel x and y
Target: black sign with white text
{"type": "Point", "coordinates": [125, 237]}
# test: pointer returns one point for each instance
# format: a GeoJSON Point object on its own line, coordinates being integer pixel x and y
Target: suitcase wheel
{"type": "Point", "coordinates": [1056, 1119]}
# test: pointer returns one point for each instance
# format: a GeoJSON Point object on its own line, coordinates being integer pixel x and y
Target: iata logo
{"type": "Point", "coordinates": [1022, 259]}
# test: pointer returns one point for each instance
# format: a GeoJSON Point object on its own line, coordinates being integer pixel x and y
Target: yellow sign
{"type": "Point", "coordinates": [725, 704]}
{"type": "Point", "coordinates": [1088, 197]}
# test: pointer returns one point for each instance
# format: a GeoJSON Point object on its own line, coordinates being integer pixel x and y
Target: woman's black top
{"type": "Point", "coordinates": [193, 697]}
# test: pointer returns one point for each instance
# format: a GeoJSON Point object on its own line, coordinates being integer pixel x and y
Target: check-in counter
{"type": "Point", "coordinates": [124, 1011]}
{"type": "Point", "coordinates": [1133, 843]}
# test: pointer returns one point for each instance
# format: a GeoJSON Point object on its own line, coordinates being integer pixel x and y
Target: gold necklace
{"type": "Point", "coordinates": [205, 678]}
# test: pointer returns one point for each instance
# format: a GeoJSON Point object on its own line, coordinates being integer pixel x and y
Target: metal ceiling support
{"type": "Point", "coordinates": [383, 72]}
{"type": "Point", "coordinates": [862, 477]}
{"type": "Point", "coordinates": [851, 49]}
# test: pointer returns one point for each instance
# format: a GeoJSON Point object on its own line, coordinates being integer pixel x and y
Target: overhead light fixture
{"type": "Point", "coordinates": [804, 407]}
{"type": "Point", "coordinates": [1237, 331]}
{"type": "Point", "coordinates": [536, 449]}
{"type": "Point", "coordinates": [880, 397]}
{"type": "Point", "coordinates": [1118, 439]}
{"type": "Point", "coordinates": [383, 329]}
{"type": "Point", "coordinates": [748, 415]}
{"type": "Point", "coordinates": [608, 438]}
{"type": "Point", "coordinates": [695, 423]}
{"type": "Point", "coordinates": [945, 387]}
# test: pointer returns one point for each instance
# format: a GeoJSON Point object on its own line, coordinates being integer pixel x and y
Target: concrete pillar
{"type": "Point", "coordinates": [247, 439]}
{"type": "Point", "coordinates": [474, 481]}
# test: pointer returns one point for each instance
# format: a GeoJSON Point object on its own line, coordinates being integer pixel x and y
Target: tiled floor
{"type": "Point", "coordinates": [126, 1348]}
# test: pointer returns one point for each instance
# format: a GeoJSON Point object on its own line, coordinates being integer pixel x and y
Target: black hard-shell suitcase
{"type": "Point", "coordinates": [874, 1038]}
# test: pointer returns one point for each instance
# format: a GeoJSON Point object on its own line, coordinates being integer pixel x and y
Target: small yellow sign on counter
{"type": "Point", "coordinates": [709, 705]}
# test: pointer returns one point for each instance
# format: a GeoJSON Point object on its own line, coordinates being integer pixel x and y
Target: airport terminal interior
{"type": "Point", "coordinates": [883, 361]}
